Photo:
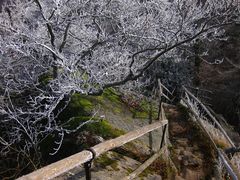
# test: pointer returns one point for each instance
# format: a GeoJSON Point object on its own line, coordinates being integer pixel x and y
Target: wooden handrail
{"type": "Point", "coordinates": [227, 164]}
{"type": "Point", "coordinates": [55, 169]}
{"type": "Point", "coordinates": [233, 172]}
{"type": "Point", "coordinates": [200, 123]}
{"type": "Point", "coordinates": [210, 115]}
{"type": "Point", "coordinates": [200, 89]}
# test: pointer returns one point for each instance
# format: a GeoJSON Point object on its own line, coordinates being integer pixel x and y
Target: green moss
{"type": "Point", "coordinates": [103, 128]}
{"type": "Point", "coordinates": [45, 78]}
{"type": "Point", "coordinates": [79, 105]}
{"type": "Point", "coordinates": [144, 109]}
{"type": "Point", "coordinates": [76, 121]}
{"type": "Point", "coordinates": [114, 166]}
{"type": "Point", "coordinates": [99, 99]}
{"type": "Point", "coordinates": [111, 100]}
{"type": "Point", "coordinates": [141, 111]}
{"type": "Point", "coordinates": [82, 103]}
{"type": "Point", "coordinates": [129, 170]}
{"type": "Point", "coordinates": [117, 109]}
{"type": "Point", "coordinates": [104, 160]}
{"type": "Point", "coordinates": [140, 115]}
{"type": "Point", "coordinates": [112, 95]}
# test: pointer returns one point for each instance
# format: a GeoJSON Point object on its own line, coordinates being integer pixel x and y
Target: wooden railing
{"type": "Point", "coordinates": [193, 104]}
{"type": "Point", "coordinates": [64, 165]}
{"type": "Point", "coordinates": [189, 94]}
{"type": "Point", "coordinates": [87, 156]}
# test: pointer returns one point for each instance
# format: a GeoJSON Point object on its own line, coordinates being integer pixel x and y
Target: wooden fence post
{"type": "Point", "coordinates": [160, 98]}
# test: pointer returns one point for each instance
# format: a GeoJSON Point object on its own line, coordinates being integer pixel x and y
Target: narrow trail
{"type": "Point", "coordinates": [189, 152]}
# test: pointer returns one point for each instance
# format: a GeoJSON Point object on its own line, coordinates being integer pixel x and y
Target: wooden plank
{"type": "Point", "coordinates": [164, 87]}
{"type": "Point", "coordinates": [65, 165]}
{"type": "Point", "coordinates": [200, 89]}
{"type": "Point", "coordinates": [119, 141]}
{"type": "Point", "coordinates": [60, 167]}
{"type": "Point", "coordinates": [160, 87]}
{"type": "Point", "coordinates": [166, 97]}
{"type": "Point", "coordinates": [211, 116]}
{"type": "Point", "coordinates": [163, 115]}
{"type": "Point", "coordinates": [147, 163]}
{"type": "Point", "coordinates": [160, 99]}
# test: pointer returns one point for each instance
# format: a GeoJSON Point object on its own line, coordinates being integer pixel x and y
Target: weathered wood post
{"type": "Point", "coordinates": [150, 133]}
{"type": "Point", "coordinates": [160, 98]}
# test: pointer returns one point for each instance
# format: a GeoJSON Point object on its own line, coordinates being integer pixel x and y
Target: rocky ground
{"type": "Point", "coordinates": [188, 153]}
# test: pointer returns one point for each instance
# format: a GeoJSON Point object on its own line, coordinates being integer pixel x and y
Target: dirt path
{"type": "Point", "coordinates": [192, 158]}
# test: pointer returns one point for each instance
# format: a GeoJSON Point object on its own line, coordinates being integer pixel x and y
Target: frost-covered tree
{"type": "Point", "coordinates": [53, 48]}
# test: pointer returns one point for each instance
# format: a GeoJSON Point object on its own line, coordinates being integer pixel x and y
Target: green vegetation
{"type": "Point", "coordinates": [143, 110]}
{"type": "Point", "coordinates": [79, 110]}
{"type": "Point", "coordinates": [112, 95]}
{"type": "Point", "coordinates": [140, 114]}
{"type": "Point", "coordinates": [112, 100]}
{"type": "Point", "coordinates": [100, 127]}
{"type": "Point", "coordinates": [103, 128]}
{"type": "Point", "coordinates": [108, 159]}
{"type": "Point", "coordinates": [104, 160]}
{"type": "Point", "coordinates": [45, 78]}
{"type": "Point", "coordinates": [129, 170]}
{"type": "Point", "coordinates": [80, 106]}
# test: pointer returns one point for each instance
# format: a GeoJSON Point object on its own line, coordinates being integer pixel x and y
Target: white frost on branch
{"type": "Point", "coordinates": [51, 49]}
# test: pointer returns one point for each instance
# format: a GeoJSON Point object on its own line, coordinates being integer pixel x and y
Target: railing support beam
{"type": "Point", "coordinates": [163, 136]}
